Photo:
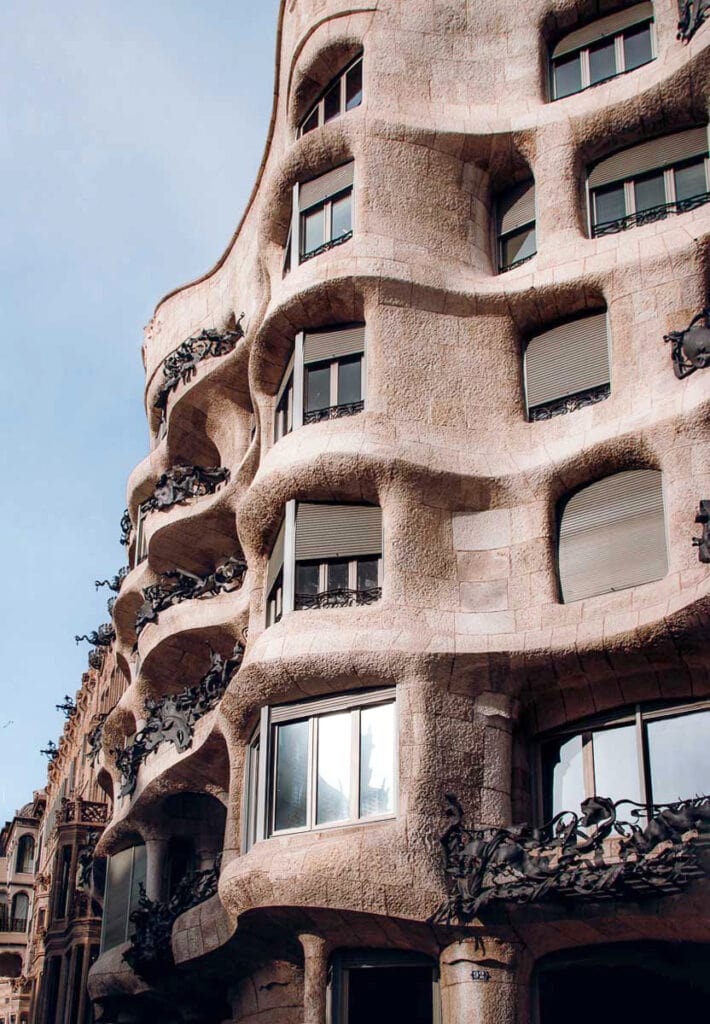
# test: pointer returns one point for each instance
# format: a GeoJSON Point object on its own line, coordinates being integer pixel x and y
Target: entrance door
{"type": "Point", "coordinates": [384, 987]}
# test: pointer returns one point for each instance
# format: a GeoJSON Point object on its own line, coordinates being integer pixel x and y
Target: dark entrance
{"type": "Point", "coordinates": [382, 987]}
{"type": "Point", "coordinates": [644, 981]}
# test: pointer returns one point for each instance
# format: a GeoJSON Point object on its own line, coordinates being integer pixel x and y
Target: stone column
{"type": "Point", "coordinates": [483, 980]}
{"type": "Point", "coordinates": [315, 978]}
{"type": "Point", "coordinates": [155, 853]}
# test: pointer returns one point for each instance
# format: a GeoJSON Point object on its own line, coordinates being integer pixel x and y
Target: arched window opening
{"type": "Point", "coordinates": [25, 854]}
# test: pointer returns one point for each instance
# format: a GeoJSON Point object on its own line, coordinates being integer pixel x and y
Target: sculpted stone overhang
{"type": "Point", "coordinates": [595, 856]}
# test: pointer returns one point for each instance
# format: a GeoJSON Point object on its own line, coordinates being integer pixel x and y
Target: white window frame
{"type": "Point", "coordinates": [583, 53]}
{"type": "Point", "coordinates": [319, 104]}
{"type": "Point", "coordinates": [327, 206]}
{"type": "Point", "coordinates": [311, 711]}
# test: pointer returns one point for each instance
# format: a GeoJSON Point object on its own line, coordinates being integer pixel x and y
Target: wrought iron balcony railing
{"type": "Point", "coordinates": [517, 263]}
{"type": "Point", "coordinates": [176, 587]}
{"type": "Point", "coordinates": [11, 924]}
{"type": "Point", "coordinates": [333, 412]}
{"type": "Point", "coordinates": [649, 216]}
{"type": "Point", "coordinates": [332, 244]}
{"type": "Point", "coordinates": [337, 598]}
{"type": "Point", "coordinates": [569, 404]}
{"type": "Point", "coordinates": [180, 366]}
{"type": "Point", "coordinates": [692, 15]}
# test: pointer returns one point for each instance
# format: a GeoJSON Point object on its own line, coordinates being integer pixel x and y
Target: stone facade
{"type": "Point", "coordinates": [470, 631]}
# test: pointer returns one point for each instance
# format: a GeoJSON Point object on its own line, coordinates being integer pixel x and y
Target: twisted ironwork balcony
{"type": "Point", "coordinates": [333, 412]}
{"type": "Point", "coordinates": [649, 216]}
{"type": "Point", "coordinates": [327, 246]}
{"type": "Point", "coordinates": [180, 366]}
{"type": "Point", "coordinates": [175, 587]}
{"type": "Point", "coordinates": [569, 404]}
{"type": "Point", "coordinates": [692, 15]}
{"type": "Point", "coordinates": [337, 598]}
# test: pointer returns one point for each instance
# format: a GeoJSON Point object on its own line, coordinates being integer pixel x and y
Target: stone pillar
{"type": "Point", "coordinates": [315, 978]}
{"type": "Point", "coordinates": [155, 853]}
{"type": "Point", "coordinates": [483, 980]}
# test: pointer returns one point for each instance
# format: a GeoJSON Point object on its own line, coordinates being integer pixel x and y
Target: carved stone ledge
{"type": "Point", "coordinates": [180, 366]}
{"type": "Point", "coordinates": [594, 856]}
{"type": "Point", "coordinates": [176, 587]}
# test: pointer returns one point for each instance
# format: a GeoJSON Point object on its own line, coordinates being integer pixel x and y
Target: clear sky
{"type": "Point", "coordinates": [130, 137]}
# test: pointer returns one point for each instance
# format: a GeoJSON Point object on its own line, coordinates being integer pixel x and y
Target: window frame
{"type": "Point", "coordinates": [319, 104]}
{"type": "Point", "coordinates": [638, 714]}
{"type": "Point", "coordinates": [344, 961]}
{"type": "Point", "coordinates": [259, 824]}
{"type": "Point", "coordinates": [141, 548]}
{"type": "Point", "coordinates": [326, 205]}
{"type": "Point", "coordinates": [582, 52]}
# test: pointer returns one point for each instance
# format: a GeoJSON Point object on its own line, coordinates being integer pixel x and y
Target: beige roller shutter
{"type": "Point", "coordinates": [117, 899]}
{"type": "Point", "coordinates": [516, 207]}
{"type": "Point", "coordinates": [650, 156]}
{"type": "Point", "coordinates": [276, 559]}
{"type": "Point", "coordinates": [318, 189]}
{"type": "Point", "coordinates": [568, 359]}
{"type": "Point", "coordinates": [612, 536]}
{"type": "Point", "coordinates": [603, 27]}
{"type": "Point", "coordinates": [337, 531]}
{"type": "Point", "coordinates": [333, 344]}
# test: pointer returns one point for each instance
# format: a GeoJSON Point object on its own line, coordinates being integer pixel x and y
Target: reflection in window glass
{"type": "Point", "coordinates": [313, 230]}
{"type": "Point", "coordinates": [291, 775]}
{"type": "Point", "coordinates": [317, 387]}
{"type": "Point", "coordinates": [310, 123]}
{"type": "Point", "coordinates": [341, 216]}
{"type": "Point", "coordinates": [519, 246]}
{"type": "Point", "coordinates": [679, 755]}
{"type": "Point", "coordinates": [349, 380]}
{"type": "Point", "coordinates": [602, 61]}
{"type": "Point", "coordinates": [568, 76]}
{"type": "Point", "coordinates": [616, 767]}
{"type": "Point", "coordinates": [367, 573]}
{"type": "Point", "coordinates": [377, 760]}
{"type": "Point", "coordinates": [690, 181]}
{"type": "Point", "coordinates": [331, 103]}
{"type": "Point", "coordinates": [353, 87]}
{"type": "Point", "coordinates": [609, 203]}
{"type": "Point", "coordinates": [338, 575]}
{"type": "Point", "coordinates": [637, 46]}
{"type": "Point", "coordinates": [307, 575]}
{"type": "Point", "coordinates": [567, 777]}
{"type": "Point", "coordinates": [333, 784]}
{"type": "Point", "coordinates": [649, 191]}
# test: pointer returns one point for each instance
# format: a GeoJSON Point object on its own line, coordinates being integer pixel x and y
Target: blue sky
{"type": "Point", "coordinates": [130, 137]}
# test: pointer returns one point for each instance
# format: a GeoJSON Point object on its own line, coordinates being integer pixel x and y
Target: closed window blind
{"type": "Point", "coordinates": [612, 536]}
{"type": "Point", "coordinates": [276, 559]}
{"type": "Point", "coordinates": [516, 207]}
{"type": "Point", "coordinates": [650, 156]}
{"type": "Point", "coordinates": [333, 344]}
{"type": "Point", "coordinates": [319, 189]}
{"type": "Point", "coordinates": [567, 360]}
{"type": "Point", "coordinates": [602, 27]}
{"type": "Point", "coordinates": [337, 531]}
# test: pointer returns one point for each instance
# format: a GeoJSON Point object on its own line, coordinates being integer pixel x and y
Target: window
{"type": "Point", "coordinates": [63, 894]}
{"type": "Point", "coordinates": [283, 417]}
{"type": "Point", "coordinates": [648, 182]}
{"type": "Point", "coordinates": [275, 579]}
{"type": "Point", "coordinates": [567, 367]}
{"type": "Point", "coordinates": [380, 986]}
{"type": "Point", "coordinates": [20, 912]}
{"type": "Point", "coordinates": [326, 762]}
{"type": "Point", "coordinates": [516, 225]}
{"type": "Point", "coordinates": [25, 854]}
{"type": "Point", "coordinates": [643, 754]}
{"type": "Point", "coordinates": [141, 543]}
{"type": "Point", "coordinates": [324, 219]}
{"type": "Point", "coordinates": [342, 94]}
{"type": "Point", "coordinates": [612, 536]}
{"type": "Point", "coordinates": [606, 48]}
{"type": "Point", "coordinates": [125, 873]}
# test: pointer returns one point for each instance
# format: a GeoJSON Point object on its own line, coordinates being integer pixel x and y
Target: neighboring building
{"type": "Point", "coordinates": [18, 848]}
{"type": "Point", "coordinates": [434, 430]}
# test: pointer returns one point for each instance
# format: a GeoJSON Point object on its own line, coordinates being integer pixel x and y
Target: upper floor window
{"type": "Point", "coordinates": [613, 535]}
{"type": "Point", "coordinates": [20, 912]}
{"type": "Point", "coordinates": [25, 854]}
{"type": "Point", "coordinates": [647, 182]}
{"type": "Point", "coordinates": [343, 93]}
{"type": "Point", "coordinates": [515, 215]}
{"type": "Point", "coordinates": [324, 214]}
{"type": "Point", "coordinates": [605, 48]}
{"type": "Point", "coordinates": [648, 755]}
{"type": "Point", "coordinates": [141, 550]}
{"type": "Point", "coordinates": [125, 874]}
{"type": "Point", "coordinates": [567, 367]}
{"type": "Point", "coordinates": [330, 761]}
{"type": "Point", "coordinates": [325, 556]}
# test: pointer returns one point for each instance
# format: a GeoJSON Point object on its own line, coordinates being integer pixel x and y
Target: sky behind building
{"type": "Point", "coordinates": [130, 138]}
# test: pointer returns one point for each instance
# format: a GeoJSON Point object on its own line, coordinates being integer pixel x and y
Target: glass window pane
{"type": "Point", "coordinates": [690, 181]}
{"type": "Point", "coordinates": [337, 575]}
{"type": "Point", "coordinates": [353, 86]}
{"type": "Point", "coordinates": [609, 203]}
{"type": "Point", "coordinates": [367, 573]}
{"type": "Point", "coordinates": [349, 380]}
{"type": "Point", "coordinates": [567, 777]}
{"type": "Point", "coordinates": [680, 756]}
{"type": "Point", "coordinates": [313, 229]}
{"type": "Point", "coordinates": [602, 61]}
{"type": "Point", "coordinates": [568, 76]}
{"type": "Point", "coordinates": [334, 759]}
{"type": "Point", "coordinates": [307, 577]}
{"type": "Point", "coordinates": [311, 121]}
{"type": "Point", "coordinates": [637, 47]}
{"type": "Point", "coordinates": [291, 791]}
{"type": "Point", "coordinates": [331, 103]}
{"type": "Point", "coordinates": [649, 191]}
{"type": "Point", "coordinates": [377, 738]}
{"type": "Point", "coordinates": [342, 216]}
{"type": "Point", "coordinates": [519, 246]}
{"type": "Point", "coordinates": [616, 763]}
{"type": "Point", "coordinates": [317, 387]}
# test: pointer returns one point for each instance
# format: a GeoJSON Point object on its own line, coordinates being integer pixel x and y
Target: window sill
{"type": "Point", "coordinates": [329, 827]}
{"type": "Point", "coordinates": [650, 216]}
